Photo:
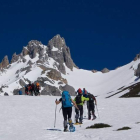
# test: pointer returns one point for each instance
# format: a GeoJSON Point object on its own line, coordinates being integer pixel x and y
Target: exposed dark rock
{"type": "Point", "coordinates": [60, 83]}
{"type": "Point", "coordinates": [6, 94]}
{"type": "Point", "coordinates": [94, 71]}
{"type": "Point", "coordinates": [68, 88]}
{"type": "Point", "coordinates": [39, 61]}
{"type": "Point", "coordinates": [50, 90]}
{"type": "Point", "coordinates": [25, 51]}
{"type": "Point", "coordinates": [61, 54]}
{"type": "Point", "coordinates": [24, 60]}
{"type": "Point", "coordinates": [4, 63]}
{"type": "Point", "coordinates": [22, 83]}
{"type": "Point", "coordinates": [137, 57]}
{"type": "Point", "coordinates": [30, 63]}
{"type": "Point", "coordinates": [134, 91]}
{"type": "Point", "coordinates": [54, 74]}
{"type": "Point", "coordinates": [16, 92]}
{"type": "Point", "coordinates": [27, 69]}
{"type": "Point", "coordinates": [61, 68]}
{"type": "Point", "coordinates": [137, 72]}
{"type": "Point", "coordinates": [105, 70]}
{"type": "Point", "coordinates": [41, 80]}
{"type": "Point", "coordinates": [14, 58]}
{"type": "Point", "coordinates": [34, 47]}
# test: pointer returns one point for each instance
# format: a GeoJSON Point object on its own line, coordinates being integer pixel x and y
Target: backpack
{"type": "Point", "coordinates": [78, 99]}
{"type": "Point", "coordinates": [66, 99]}
{"type": "Point", "coordinates": [91, 98]}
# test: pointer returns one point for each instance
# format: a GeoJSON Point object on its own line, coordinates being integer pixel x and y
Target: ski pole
{"type": "Point", "coordinates": [97, 111]}
{"type": "Point", "coordinates": [55, 114]}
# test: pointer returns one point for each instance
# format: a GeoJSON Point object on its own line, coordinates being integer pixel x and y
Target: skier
{"type": "Point", "coordinates": [91, 106]}
{"type": "Point", "coordinates": [80, 101]}
{"type": "Point", "coordinates": [67, 109]}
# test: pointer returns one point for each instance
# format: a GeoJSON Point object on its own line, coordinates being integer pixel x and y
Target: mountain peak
{"type": "Point", "coordinates": [57, 42]}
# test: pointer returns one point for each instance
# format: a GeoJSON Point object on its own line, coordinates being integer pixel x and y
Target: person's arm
{"type": "Point", "coordinates": [74, 104]}
{"type": "Point", "coordinates": [86, 99]}
{"type": "Point", "coordinates": [95, 100]}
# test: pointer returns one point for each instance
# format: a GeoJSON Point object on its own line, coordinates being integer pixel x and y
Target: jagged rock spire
{"type": "Point", "coordinates": [4, 63]}
{"type": "Point", "coordinates": [137, 57]}
{"type": "Point", "coordinates": [58, 50]}
{"type": "Point", "coordinates": [15, 57]}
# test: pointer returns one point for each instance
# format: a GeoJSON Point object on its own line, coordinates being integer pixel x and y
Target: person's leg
{"type": "Point", "coordinates": [81, 114]}
{"type": "Point", "coordinates": [93, 111]}
{"type": "Point", "coordinates": [77, 114]}
{"type": "Point", "coordinates": [69, 112]}
{"type": "Point", "coordinates": [64, 110]}
{"type": "Point", "coordinates": [31, 92]}
{"type": "Point", "coordinates": [90, 109]}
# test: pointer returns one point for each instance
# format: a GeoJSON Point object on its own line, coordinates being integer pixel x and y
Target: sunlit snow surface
{"type": "Point", "coordinates": [104, 84]}
{"type": "Point", "coordinates": [28, 117]}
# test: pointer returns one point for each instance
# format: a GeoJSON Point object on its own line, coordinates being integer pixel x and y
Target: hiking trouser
{"type": "Point", "coordinates": [37, 92]}
{"type": "Point", "coordinates": [91, 110]}
{"type": "Point", "coordinates": [67, 112]}
{"type": "Point", "coordinates": [79, 111]}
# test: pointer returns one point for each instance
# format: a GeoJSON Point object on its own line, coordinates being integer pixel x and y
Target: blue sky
{"type": "Point", "coordinates": [100, 33]}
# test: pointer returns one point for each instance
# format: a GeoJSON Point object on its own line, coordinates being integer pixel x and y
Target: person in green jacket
{"type": "Point", "coordinates": [79, 99]}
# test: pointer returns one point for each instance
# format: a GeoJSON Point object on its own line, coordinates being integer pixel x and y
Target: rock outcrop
{"type": "Point", "coordinates": [137, 57]}
{"type": "Point", "coordinates": [58, 50]}
{"type": "Point", "coordinates": [137, 72]}
{"type": "Point", "coordinates": [105, 70]}
{"type": "Point", "coordinates": [4, 63]}
{"type": "Point", "coordinates": [94, 71]}
{"type": "Point", "coordinates": [68, 88]}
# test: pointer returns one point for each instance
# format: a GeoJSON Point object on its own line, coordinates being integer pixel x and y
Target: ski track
{"type": "Point", "coordinates": [28, 117]}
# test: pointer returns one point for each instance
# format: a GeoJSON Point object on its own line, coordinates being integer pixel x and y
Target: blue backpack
{"type": "Point", "coordinates": [66, 99]}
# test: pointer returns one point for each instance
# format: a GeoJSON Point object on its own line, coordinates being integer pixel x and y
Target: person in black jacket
{"type": "Point", "coordinates": [91, 106]}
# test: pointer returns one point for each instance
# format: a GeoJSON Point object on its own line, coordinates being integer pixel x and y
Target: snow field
{"type": "Point", "coordinates": [28, 117]}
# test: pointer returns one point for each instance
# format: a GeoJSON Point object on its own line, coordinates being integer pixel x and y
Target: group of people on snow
{"type": "Point", "coordinates": [82, 97]}
{"type": "Point", "coordinates": [32, 89]}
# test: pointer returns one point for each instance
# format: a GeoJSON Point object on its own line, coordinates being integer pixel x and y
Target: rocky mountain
{"type": "Point", "coordinates": [52, 66]}
{"type": "Point", "coordinates": [48, 62]}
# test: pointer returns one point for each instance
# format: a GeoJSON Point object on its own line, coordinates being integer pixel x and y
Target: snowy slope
{"type": "Point", "coordinates": [28, 117]}
{"type": "Point", "coordinates": [99, 84]}
{"type": "Point", "coordinates": [104, 84]}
